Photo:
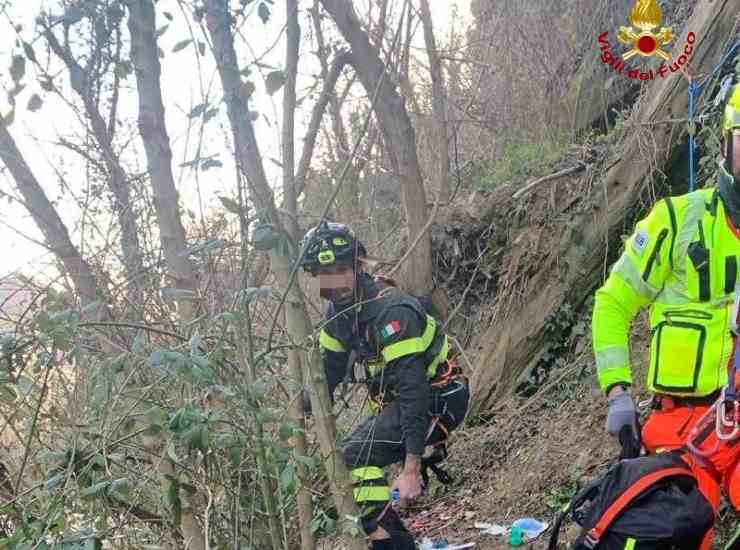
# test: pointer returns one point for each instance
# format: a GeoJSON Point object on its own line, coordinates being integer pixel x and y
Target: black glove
{"type": "Point", "coordinates": [631, 445]}
{"type": "Point", "coordinates": [306, 398]}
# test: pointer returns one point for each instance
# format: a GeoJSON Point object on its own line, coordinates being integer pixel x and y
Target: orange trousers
{"type": "Point", "coordinates": [669, 428]}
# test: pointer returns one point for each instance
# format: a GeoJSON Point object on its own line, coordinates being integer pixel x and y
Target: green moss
{"type": "Point", "coordinates": [521, 161]}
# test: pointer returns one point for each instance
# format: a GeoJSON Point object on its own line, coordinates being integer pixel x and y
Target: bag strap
{"type": "Point", "coordinates": [624, 500]}
{"type": "Point", "coordinates": [587, 493]}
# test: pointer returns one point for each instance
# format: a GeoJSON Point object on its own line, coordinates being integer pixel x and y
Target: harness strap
{"type": "Point", "coordinates": [630, 494]}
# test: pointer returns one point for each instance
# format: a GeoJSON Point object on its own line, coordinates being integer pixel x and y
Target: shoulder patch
{"type": "Point", "coordinates": [640, 241]}
{"type": "Point", "coordinates": [394, 327]}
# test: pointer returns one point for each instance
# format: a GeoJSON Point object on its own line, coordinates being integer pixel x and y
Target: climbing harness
{"type": "Point", "coordinates": [723, 417]}
{"type": "Point", "coordinates": [695, 87]}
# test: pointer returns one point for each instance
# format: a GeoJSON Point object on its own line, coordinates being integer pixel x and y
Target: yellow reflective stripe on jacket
{"type": "Point", "coordinates": [372, 494]}
{"type": "Point", "coordinates": [630, 544]}
{"type": "Point", "coordinates": [612, 358]}
{"type": "Point", "coordinates": [410, 346]}
{"type": "Point", "coordinates": [613, 367]}
{"type": "Point", "coordinates": [616, 304]}
{"type": "Point", "coordinates": [367, 472]}
{"type": "Point", "coordinates": [330, 343]}
{"type": "Point", "coordinates": [626, 269]}
{"type": "Point", "coordinates": [441, 356]}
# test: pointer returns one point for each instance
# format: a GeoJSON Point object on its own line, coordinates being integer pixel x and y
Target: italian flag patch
{"type": "Point", "coordinates": [390, 329]}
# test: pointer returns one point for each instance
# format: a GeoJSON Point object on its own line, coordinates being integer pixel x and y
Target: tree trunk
{"type": "Point", "coordinates": [56, 236]}
{"type": "Point", "coordinates": [439, 109]}
{"type": "Point", "coordinates": [142, 26]}
{"type": "Point", "coordinates": [399, 138]}
{"type": "Point", "coordinates": [571, 271]}
{"type": "Point", "coordinates": [299, 326]}
{"type": "Point", "coordinates": [293, 34]}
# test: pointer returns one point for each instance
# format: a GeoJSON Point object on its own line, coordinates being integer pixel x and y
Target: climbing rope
{"type": "Point", "coordinates": [695, 87]}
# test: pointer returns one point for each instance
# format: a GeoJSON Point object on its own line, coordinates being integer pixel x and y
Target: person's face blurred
{"type": "Point", "coordinates": [735, 139]}
{"type": "Point", "coordinates": [336, 283]}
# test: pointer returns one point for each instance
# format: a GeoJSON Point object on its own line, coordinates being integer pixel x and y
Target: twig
{"type": "Point", "coordinates": [461, 301]}
{"type": "Point", "coordinates": [561, 173]}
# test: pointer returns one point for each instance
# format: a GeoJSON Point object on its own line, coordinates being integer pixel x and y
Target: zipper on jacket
{"type": "Point", "coordinates": [703, 269]}
{"type": "Point", "coordinates": [654, 254]}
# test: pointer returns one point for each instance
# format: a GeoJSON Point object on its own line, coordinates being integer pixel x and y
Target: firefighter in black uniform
{"type": "Point", "coordinates": [417, 394]}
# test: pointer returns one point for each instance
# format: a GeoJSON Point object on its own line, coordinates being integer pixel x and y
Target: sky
{"type": "Point", "coordinates": [184, 86]}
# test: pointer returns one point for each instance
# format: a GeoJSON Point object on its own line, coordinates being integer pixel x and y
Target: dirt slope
{"type": "Point", "coordinates": [528, 459]}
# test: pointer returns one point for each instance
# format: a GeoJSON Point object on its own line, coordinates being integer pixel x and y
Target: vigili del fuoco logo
{"type": "Point", "coordinates": [645, 38]}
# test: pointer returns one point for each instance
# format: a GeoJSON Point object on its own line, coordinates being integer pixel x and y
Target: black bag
{"type": "Point", "coordinates": [650, 502]}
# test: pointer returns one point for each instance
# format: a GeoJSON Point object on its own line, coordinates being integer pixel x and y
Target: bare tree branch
{"type": "Point", "coordinates": [47, 219]}
{"type": "Point", "coordinates": [309, 143]}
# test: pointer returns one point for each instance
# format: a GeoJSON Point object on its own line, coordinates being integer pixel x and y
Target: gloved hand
{"type": "Point", "coordinates": [306, 402]}
{"type": "Point", "coordinates": [622, 422]}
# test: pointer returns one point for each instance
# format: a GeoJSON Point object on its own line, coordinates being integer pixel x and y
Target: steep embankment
{"type": "Point", "coordinates": [532, 454]}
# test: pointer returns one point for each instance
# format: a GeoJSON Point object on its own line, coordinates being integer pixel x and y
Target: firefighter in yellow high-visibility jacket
{"type": "Point", "coordinates": [682, 262]}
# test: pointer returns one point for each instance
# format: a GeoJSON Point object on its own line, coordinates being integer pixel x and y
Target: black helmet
{"type": "Point", "coordinates": [329, 244]}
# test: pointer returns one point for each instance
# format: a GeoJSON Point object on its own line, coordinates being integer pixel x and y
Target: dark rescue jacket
{"type": "Point", "coordinates": [361, 338]}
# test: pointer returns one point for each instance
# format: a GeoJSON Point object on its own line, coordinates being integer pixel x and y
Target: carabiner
{"type": "Point", "coordinates": [704, 426]}
{"type": "Point", "coordinates": [727, 425]}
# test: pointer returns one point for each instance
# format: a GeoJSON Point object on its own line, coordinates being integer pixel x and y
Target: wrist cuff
{"type": "Point", "coordinates": [625, 386]}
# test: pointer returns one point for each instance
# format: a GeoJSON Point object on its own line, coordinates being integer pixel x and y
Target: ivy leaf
{"type": "Point", "coordinates": [95, 490]}
{"type": "Point", "coordinates": [167, 15]}
{"type": "Point", "coordinates": [172, 499]}
{"type": "Point", "coordinates": [265, 237]}
{"type": "Point", "coordinates": [123, 69]}
{"type": "Point", "coordinates": [7, 393]}
{"type": "Point", "coordinates": [55, 481]}
{"type": "Point", "coordinates": [156, 358]}
{"type": "Point", "coordinates": [210, 163]}
{"type": "Point", "coordinates": [264, 12]}
{"type": "Point", "coordinates": [77, 78]}
{"type": "Point", "coordinates": [230, 204]}
{"type": "Point", "coordinates": [120, 487]}
{"type": "Point", "coordinates": [287, 477]}
{"type": "Point", "coordinates": [286, 431]}
{"type": "Point", "coordinates": [73, 15]}
{"type": "Point", "coordinates": [308, 461]}
{"type": "Point", "coordinates": [198, 110]}
{"type": "Point", "coordinates": [8, 119]}
{"type": "Point", "coordinates": [181, 45]}
{"type": "Point", "coordinates": [17, 68]}
{"type": "Point", "coordinates": [47, 84]}
{"type": "Point", "coordinates": [274, 81]}
{"type": "Point", "coordinates": [28, 50]}
{"type": "Point", "coordinates": [249, 89]}
{"type": "Point", "coordinates": [34, 103]}
{"type": "Point", "coordinates": [161, 30]}
{"type": "Point", "coordinates": [209, 114]}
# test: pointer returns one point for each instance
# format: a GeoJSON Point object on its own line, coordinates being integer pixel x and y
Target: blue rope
{"type": "Point", "coordinates": [694, 88]}
{"type": "Point", "coordinates": [694, 91]}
